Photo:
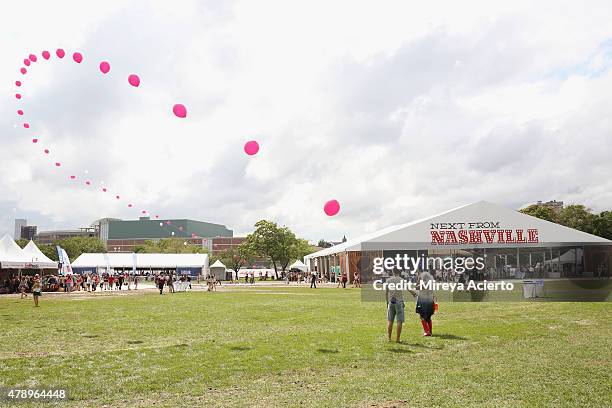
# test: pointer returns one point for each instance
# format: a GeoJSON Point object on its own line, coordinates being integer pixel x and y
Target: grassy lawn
{"type": "Point", "coordinates": [266, 347]}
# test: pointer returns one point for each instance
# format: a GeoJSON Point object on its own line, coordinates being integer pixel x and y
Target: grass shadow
{"type": "Point", "coordinates": [328, 351]}
{"type": "Point", "coordinates": [241, 348]}
{"type": "Point", "coordinates": [448, 337]}
{"type": "Point", "coordinates": [419, 345]}
{"type": "Point", "coordinates": [400, 350]}
{"type": "Point", "coordinates": [134, 342]}
{"type": "Point", "coordinates": [89, 336]}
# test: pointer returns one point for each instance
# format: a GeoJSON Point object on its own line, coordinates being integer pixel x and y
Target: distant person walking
{"type": "Point", "coordinates": [36, 289]}
{"type": "Point", "coordinates": [313, 280]}
{"type": "Point", "coordinates": [344, 280]}
{"type": "Point", "coordinates": [160, 283]}
{"type": "Point", "coordinates": [395, 305]}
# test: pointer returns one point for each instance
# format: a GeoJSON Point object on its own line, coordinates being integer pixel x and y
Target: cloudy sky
{"type": "Point", "coordinates": [396, 109]}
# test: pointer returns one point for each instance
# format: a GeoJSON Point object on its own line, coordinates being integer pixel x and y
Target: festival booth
{"type": "Point", "coordinates": [513, 245]}
{"type": "Point", "coordinates": [298, 265]}
{"type": "Point", "coordinates": [220, 272]}
{"type": "Point", "coordinates": [12, 259]}
{"type": "Point", "coordinates": [194, 265]}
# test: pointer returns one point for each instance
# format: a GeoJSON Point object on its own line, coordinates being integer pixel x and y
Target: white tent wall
{"type": "Point", "coordinates": [142, 261]}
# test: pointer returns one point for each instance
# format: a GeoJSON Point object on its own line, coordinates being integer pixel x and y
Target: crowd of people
{"type": "Point", "coordinates": [172, 282]}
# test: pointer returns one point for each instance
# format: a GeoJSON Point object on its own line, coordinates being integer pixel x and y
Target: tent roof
{"type": "Point", "coordinates": [126, 260]}
{"type": "Point", "coordinates": [417, 233]}
{"type": "Point", "coordinates": [11, 255]}
{"type": "Point", "coordinates": [37, 257]}
{"type": "Point", "coordinates": [218, 264]}
{"type": "Point", "coordinates": [297, 265]}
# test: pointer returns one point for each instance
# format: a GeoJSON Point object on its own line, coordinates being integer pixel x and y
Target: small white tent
{"type": "Point", "coordinates": [11, 256]}
{"type": "Point", "coordinates": [298, 265]}
{"type": "Point", "coordinates": [218, 270]}
{"type": "Point", "coordinates": [37, 257]}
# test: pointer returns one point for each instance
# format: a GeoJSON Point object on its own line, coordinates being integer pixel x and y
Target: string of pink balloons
{"type": "Point", "coordinates": [179, 110]}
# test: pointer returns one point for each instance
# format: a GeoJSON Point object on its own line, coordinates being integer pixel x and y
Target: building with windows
{"type": "Point", "coordinates": [125, 235]}
{"type": "Point", "coordinates": [19, 223]}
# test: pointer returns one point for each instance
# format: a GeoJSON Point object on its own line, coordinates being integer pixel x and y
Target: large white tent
{"type": "Point", "coordinates": [141, 261]}
{"type": "Point", "coordinates": [37, 257]}
{"type": "Point", "coordinates": [478, 226]}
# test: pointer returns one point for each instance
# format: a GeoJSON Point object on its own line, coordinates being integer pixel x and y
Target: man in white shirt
{"type": "Point", "coordinates": [395, 305]}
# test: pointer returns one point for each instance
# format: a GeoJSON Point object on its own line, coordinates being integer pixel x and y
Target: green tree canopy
{"type": "Point", "coordinates": [169, 246]}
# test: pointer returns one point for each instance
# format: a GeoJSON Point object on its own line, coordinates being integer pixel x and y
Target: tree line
{"type": "Point", "coordinates": [575, 216]}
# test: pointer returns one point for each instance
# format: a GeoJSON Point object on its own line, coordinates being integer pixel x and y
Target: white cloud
{"type": "Point", "coordinates": [397, 110]}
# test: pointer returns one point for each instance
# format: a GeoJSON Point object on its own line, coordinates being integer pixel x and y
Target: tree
{"type": "Point", "coordinates": [273, 242]}
{"type": "Point", "coordinates": [324, 244]}
{"type": "Point", "coordinates": [539, 211]}
{"type": "Point", "coordinates": [301, 248]}
{"type": "Point", "coordinates": [602, 224]}
{"type": "Point", "coordinates": [22, 242]}
{"type": "Point", "coordinates": [578, 217]}
{"type": "Point", "coordinates": [75, 246]}
{"type": "Point", "coordinates": [236, 257]}
{"type": "Point", "coordinates": [169, 246]}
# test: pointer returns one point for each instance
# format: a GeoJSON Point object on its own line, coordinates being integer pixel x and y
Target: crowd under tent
{"type": "Point", "coordinates": [513, 244]}
{"type": "Point", "coordinates": [181, 264]}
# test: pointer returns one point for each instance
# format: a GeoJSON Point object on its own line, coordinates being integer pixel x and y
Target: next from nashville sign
{"type": "Point", "coordinates": [461, 233]}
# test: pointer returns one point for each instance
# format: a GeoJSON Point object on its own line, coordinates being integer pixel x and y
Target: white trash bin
{"type": "Point", "coordinates": [529, 289]}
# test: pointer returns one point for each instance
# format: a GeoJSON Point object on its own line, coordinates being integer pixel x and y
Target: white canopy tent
{"type": "Point", "coordinates": [218, 270]}
{"type": "Point", "coordinates": [298, 265]}
{"type": "Point", "coordinates": [12, 256]}
{"type": "Point", "coordinates": [37, 257]}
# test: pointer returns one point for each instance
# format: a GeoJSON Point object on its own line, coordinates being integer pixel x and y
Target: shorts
{"type": "Point", "coordinates": [425, 308]}
{"type": "Point", "coordinates": [395, 310]}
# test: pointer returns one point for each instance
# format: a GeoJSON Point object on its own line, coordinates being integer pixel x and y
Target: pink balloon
{"type": "Point", "coordinates": [130, 205]}
{"type": "Point", "coordinates": [23, 71]}
{"type": "Point", "coordinates": [77, 57]}
{"type": "Point", "coordinates": [46, 151]}
{"type": "Point", "coordinates": [26, 62]}
{"type": "Point", "coordinates": [72, 177]}
{"type": "Point", "coordinates": [104, 189]}
{"type": "Point", "coordinates": [144, 211]}
{"type": "Point", "coordinates": [19, 112]}
{"type": "Point", "coordinates": [35, 140]}
{"type": "Point", "coordinates": [331, 208]}
{"type": "Point", "coordinates": [134, 80]}
{"type": "Point", "coordinates": [46, 54]}
{"type": "Point", "coordinates": [60, 53]}
{"type": "Point", "coordinates": [32, 57]}
{"type": "Point", "coordinates": [251, 147]}
{"type": "Point", "coordinates": [18, 96]}
{"type": "Point", "coordinates": [17, 83]}
{"type": "Point", "coordinates": [88, 182]}
{"type": "Point", "coordinates": [104, 67]}
{"type": "Point", "coordinates": [180, 110]}
{"type": "Point", "coordinates": [57, 164]}
{"type": "Point", "coordinates": [156, 216]}
{"type": "Point", "coordinates": [26, 125]}
{"type": "Point", "coordinates": [117, 197]}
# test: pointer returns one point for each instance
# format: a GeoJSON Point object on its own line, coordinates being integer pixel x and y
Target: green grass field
{"type": "Point", "coordinates": [291, 347]}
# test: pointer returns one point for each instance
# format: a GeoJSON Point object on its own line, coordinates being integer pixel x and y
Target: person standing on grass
{"type": "Point", "coordinates": [395, 305]}
{"type": "Point", "coordinates": [357, 280]}
{"type": "Point", "coordinates": [160, 283]}
{"type": "Point", "coordinates": [36, 289]}
{"type": "Point", "coordinates": [313, 280]}
{"type": "Point", "coordinates": [425, 302]}
{"type": "Point", "coordinates": [23, 288]}
{"type": "Point", "coordinates": [344, 280]}
{"type": "Point", "coordinates": [135, 282]}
